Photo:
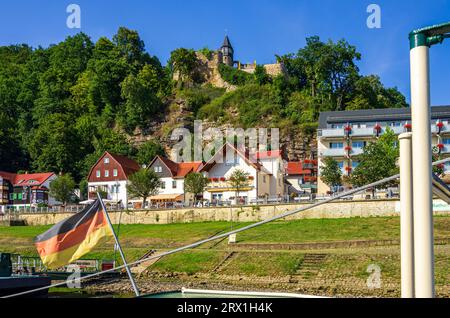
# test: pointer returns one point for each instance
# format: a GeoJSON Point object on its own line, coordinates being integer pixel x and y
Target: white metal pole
{"type": "Point", "coordinates": [127, 268]}
{"type": "Point", "coordinates": [406, 217]}
{"type": "Point", "coordinates": [422, 172]}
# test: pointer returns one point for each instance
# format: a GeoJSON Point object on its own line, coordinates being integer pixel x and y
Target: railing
{"type": "Point", "coordinates": [363, 132]}
{"type": "Point", "coordinates": [334, 132]}
{"type": "Point", "coordinates": [356, 151]}
{"type": "Point", "coordinates": [446, 149]}
{"type": "Point", "coordinates": [369, 131]}
{"type": "Point", "coordinates": [55, 209]}
{"type": "Point", "coordinates": [334, 152]}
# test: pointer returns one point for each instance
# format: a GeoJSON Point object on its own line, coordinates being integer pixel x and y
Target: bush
{"type": "Point", "coordinates": [235, 76]}
{"type": "Point", "coordinates": [255, 104]}
{"type": "Point", "coordinates": [197, 97]}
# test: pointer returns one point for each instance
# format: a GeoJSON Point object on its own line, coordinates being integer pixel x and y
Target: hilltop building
{"type": "Point", "coordinates": [226, 56]}
{"type": "Point", "coordinates": [208, 66]}
{"type": "Point", "coordinates": [342, 135]}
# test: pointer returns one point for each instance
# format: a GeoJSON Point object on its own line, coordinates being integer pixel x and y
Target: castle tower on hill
{"type": "Point", "coordinates": [226, 56]}
{"type": "Point", "coordinates": [227, 52]}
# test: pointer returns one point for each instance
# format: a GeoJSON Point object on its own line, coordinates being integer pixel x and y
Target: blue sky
{"type": "Point", "coordinates": [258, 29]}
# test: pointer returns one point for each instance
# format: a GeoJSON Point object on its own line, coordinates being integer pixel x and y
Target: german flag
{"type": "Point", "coordinates": [72, 238]}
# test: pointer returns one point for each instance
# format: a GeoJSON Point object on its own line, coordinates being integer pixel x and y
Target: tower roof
{"type": "Point", "coordinates": [226, 42]}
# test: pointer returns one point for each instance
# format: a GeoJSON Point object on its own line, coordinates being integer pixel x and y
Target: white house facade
{"type": "Point", "coordinates": [109, 176]}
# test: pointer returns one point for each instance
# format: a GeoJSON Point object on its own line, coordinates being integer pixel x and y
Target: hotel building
{"type": "Point", "coordinates": [342, 135]}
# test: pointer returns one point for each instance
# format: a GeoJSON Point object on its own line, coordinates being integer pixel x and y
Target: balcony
{"type": "Point", "coordinates": [363, 132]}
{"type": "Point", "coordinates": [445, 149]}
{"type": "Point", "coordinates": [356, 151]}
{"type": "Point", "coordinates": [310, 179]}
{"type": "Point", "coordinates": [445, 129]}
{"type": "Point", "coordinates": [334, 152]}
{"type": "Point", "coordinates": [332, 133]}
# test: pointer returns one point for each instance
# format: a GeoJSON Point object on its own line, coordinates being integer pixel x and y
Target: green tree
{"type": "Point", "coordinates": [261, 76]}
{"type": "Point", "coordinates": [148, 151]}
{"type": "Point", "coordinates": [239, 179]}
{"type": "Point", "coordinates": [62, 188]}
{"type": "Point", "coordinates": [141, 98]}
{"type": "Point", "coordinates": [195, 183]}
{"type": "Point", "coordinates": [184, 62]}
{"type": "Point", "coordinates": [330, 173]}
{"type": "Point", "coordinates": [11, 156]}
{"type": "Point", "coordinates": [143, 184]}
{"type": "Point", "coordinates": [52, 147]}
{"type": "Point", "coordinates": [377, 161]}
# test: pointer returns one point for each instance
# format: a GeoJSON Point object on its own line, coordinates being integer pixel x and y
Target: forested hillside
{"type": "Point", "coordinates": [62, 106]}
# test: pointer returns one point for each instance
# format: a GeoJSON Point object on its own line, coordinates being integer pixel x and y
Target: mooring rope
{"type": "Point", "coordinates": [196, 244]}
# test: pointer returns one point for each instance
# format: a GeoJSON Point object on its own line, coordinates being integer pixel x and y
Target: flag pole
{"type": "Point", "coordinates": [130, 276]}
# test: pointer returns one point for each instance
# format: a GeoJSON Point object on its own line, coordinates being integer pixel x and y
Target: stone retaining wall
{"type": "Point", "coordinates": [341, 209]}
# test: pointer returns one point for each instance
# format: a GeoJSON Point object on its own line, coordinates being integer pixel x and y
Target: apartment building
{"type": "Point", "coordinates": [342, 135]}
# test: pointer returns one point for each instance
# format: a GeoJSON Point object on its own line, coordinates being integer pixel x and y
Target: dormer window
{"type": "Point", "coordinates": [106, 161]}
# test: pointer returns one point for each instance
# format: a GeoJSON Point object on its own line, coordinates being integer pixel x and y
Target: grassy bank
{"type": "Point", "coordinates": [138, 238]}
{"type": "Point", "coordinates": [340, 272]}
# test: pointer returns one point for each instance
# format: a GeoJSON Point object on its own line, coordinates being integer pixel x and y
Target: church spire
{"type": "Point", "coordinates": [227, 52]}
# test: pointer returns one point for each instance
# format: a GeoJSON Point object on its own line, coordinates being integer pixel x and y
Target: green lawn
{"type": "Point", "coordinates": [137, 239]}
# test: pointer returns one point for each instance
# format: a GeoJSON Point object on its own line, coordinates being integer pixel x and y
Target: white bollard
{"type": "Point", "coordinates": [422, 170]}
{"type": "Point", "coordinates": [406, 216]}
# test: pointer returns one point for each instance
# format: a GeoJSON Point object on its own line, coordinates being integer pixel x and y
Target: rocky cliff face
{"type": "Point", "coordinates": [295, 144]}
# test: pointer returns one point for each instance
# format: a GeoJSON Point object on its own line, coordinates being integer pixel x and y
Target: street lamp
{"type": "Point", "coordinates": [420, 41]}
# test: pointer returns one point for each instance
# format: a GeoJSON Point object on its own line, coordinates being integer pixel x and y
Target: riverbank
{"type": "Point", "coordinates": [327, 257]}
{"type": "Point", "coordinates": [328, 272]}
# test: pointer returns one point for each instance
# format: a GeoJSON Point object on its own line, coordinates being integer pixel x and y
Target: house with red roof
{"type": "Point", "coordinates": [263, 169]}
{"type": "Point", "coordinates": [301, 176]}
{"type": "Point", "coordinates": [172, 176]}
{"type": "Point", "coordinates": [109, 176]}
{"type": "Point", "coordinates": [26, 189]}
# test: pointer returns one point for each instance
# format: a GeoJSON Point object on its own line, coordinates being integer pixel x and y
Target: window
{"type": "Point", "coordinates": [106, 173]}
{"type": "Point", "coordinates": [163, 184]}
{"type": "Point", "coordinates": [115, 172]}
{"type": "Point", "coordinates": [106, 161]}
{"type": "Point", "coordinates": [264, 179]}
{"type": "Point", "coordinates": [354, 164]}
{"type": "Point", "coordinates": [115, 188]}
{"type": "Point", "coordinates": [341, 165]}
{"type": "Point", "coordinates": [19, 196]}
{"type": "Point", "coordinates": [174, 184]}
{"type": "Point", "coordinates": [97, 173]}
{"type": "Point", "coordinates": [158, 169]}
{"type": "Point", "coordinates": [12, 196]}
{"type": "Point", "coordinates": [336, 145]}
{"type": "Point", "coordinates": [358, 144]}
{"type": "Point", "coordinates": [446, 141]}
